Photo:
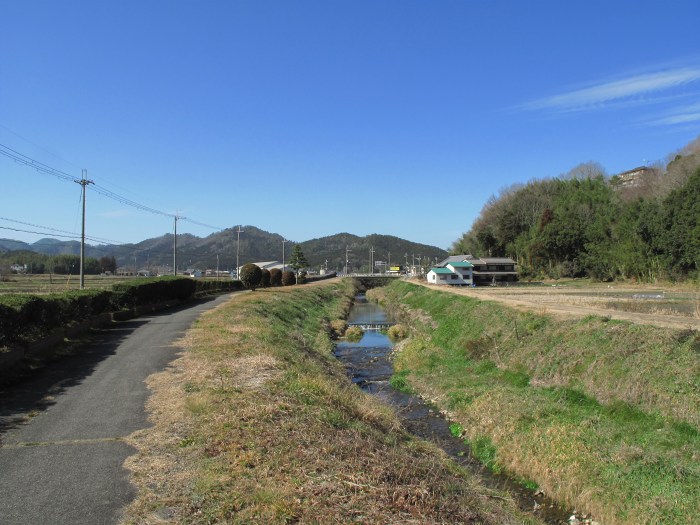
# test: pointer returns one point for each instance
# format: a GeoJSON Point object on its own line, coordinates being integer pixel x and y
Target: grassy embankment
{"type": "Point", "coordinates": [258, 423]}
{"type": "Point", "coordinates": [601, 414]}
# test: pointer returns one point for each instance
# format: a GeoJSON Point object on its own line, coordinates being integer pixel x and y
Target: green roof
{"type": "Point", "coordinates": [461, 264]}
{"type": "Point", "coordinates": [442, 270]}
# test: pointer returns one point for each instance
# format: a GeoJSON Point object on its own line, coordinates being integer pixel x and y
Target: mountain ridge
{"type": "Point", "coordinates": [256, 245]}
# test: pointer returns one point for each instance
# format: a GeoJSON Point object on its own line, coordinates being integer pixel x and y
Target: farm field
{"type": "Point", "coordinates": [672, 306]}
{"type": "Point", "coordinates": [45, 283]}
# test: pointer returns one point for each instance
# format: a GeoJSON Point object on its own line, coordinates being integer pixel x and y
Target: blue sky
{"type": "Point", "coordinates": [310, 118]}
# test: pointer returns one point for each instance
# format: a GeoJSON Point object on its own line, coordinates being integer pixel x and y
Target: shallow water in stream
{"type": "Point", "coordinates": [369, 365]}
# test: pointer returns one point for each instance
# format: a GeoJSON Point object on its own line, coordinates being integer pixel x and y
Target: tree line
{"type": "Point", "coordinates": [63, 264]}
{"type": "Point", "coordinates": [585, 223]}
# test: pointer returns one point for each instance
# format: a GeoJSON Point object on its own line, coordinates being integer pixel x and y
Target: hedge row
{"type": "Point", "coordinates": [25, 318]}
{"type": "Point", "coordinates": [204, 287]}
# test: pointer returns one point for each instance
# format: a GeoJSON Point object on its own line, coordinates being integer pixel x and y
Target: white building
{"type": "Point", "coordinates": [268, 265]}
{"type": "Point", "coordinates": [457, 273]}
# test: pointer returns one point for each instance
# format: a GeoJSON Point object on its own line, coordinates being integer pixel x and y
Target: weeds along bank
{"type": "Point", "coordinates": [257, 422]}
{"type": "Point", "coordinates": [601, 414]}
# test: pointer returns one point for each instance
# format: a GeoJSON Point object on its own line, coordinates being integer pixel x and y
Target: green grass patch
{"type": "Point", "coordinates": [484, 450]}
{"type": "Point", "coordinates": [399, 381]}
{"type": "Point", "coordinates": [603, 415]}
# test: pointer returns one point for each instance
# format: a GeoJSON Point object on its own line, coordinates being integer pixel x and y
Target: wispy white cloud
{"type": "Point", "coordinates": [639, 89]}
{"type": "Point", "coordinates": [680, 115]}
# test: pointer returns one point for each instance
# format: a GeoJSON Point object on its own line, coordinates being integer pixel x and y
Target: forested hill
{"type": "Point", "coordinates": [387, 248]}
{"type": "Point", "coordinates": [587, 224]}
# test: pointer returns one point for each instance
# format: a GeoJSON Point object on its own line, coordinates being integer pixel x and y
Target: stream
{"type": "Point", "coordinates": [369, 365]}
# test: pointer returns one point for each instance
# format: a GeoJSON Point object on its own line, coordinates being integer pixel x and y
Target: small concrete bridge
{"type": "Point", "coordinates": [373, 326]}
{"type": "Point", "coordinates": [372, 280]}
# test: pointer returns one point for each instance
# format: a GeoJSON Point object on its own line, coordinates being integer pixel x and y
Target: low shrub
{"type": "Point", "coordinates": [275, 277]}
{"type": "Point", "coordinates": [265, 278]}
{"type": "Point", "coordinates": [338, 327]}
{"type": "Point", "coordinates": [397, 332]}
{"type": "Point", "coordinates": [288, 278]}
{"type": "Point", "coordinates": [354, 333]}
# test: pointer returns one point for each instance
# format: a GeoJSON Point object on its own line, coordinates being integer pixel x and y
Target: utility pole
{"type": "Point", "coordinates": [238, 245]}
{"type": "Point", "coordinates": [388, 262]}
{"type": "Point", "coordinates": [176, 217]}
{"type": "Point", "coordinates": [217, 266]}
{"type": "Point", "coordinates": [347, 251]}
{"type": "Point", "coordinates": [283, 242]}
{"type": "Point", "coordinates": [83, 182]}
{"type": "Point", "coordinates": [371, 260]}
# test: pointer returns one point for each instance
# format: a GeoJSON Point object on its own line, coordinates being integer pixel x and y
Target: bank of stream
{"type": "Point", "coordinates": [369, 365]}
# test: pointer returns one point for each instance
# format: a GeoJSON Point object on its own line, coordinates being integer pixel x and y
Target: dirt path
{"type": "Point", "coordinates": [574, 303]}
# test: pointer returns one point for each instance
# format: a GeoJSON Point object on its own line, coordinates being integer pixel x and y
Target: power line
{"type": "Point", "coordinates": [39, 233]}
{"type": "Point", "coordinates": [128, 202]}
{"type": "Point", "coordinates": [201, 224]}
{"type": "Point", "coordinates": [39, 166]}
{"type": "Point", "coordinates": [44, 168]}
{"type": "Point", "coordinates": [73, 234]}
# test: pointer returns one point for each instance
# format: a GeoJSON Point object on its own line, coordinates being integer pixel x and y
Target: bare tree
{"type": "Point", "coordinates": [585, 170]}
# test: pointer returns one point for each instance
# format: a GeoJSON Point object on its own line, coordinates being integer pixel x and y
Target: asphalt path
{"type": "Point", "coordinates": [62, 432]}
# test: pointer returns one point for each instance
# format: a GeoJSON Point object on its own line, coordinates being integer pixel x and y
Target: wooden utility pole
{"type": "Point", "coordinates": [83, 183]}
{"type": "Point", "coordinates": [176, 217]}
{"type": "Point", "coordinates": [238, 245]}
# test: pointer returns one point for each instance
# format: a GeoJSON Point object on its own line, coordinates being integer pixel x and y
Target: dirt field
{"type": "Point", "coordinates": [671, 307]}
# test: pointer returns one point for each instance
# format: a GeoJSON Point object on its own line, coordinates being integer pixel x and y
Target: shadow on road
{"type": "Point", "coordinates": [37, 390]}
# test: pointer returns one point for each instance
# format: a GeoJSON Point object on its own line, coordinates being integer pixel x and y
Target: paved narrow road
{"type": "Point", "coordinates": [61, 434]}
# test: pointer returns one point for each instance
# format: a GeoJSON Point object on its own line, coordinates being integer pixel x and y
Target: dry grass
{"type": "Point", "coordinates": [259, 424]}
{"type": "Point", "coordinates": [677, 308]}
{"type": "Point", "coordinates": [603, 415]}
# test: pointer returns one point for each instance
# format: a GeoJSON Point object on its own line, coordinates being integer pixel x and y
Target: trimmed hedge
{"type": "Point", "coordinates": [25, 318]}
{"type": "Point", "coordinates": [131, 294]}
{"type": "Point", "coordinates": [204, 287]}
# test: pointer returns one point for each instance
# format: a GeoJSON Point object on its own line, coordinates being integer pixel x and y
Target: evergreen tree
{"type": "Point", "coordinates": [297, 260]}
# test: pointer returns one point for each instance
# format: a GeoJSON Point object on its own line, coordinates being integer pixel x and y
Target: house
{"type": "Point", "coordinates": [457, 273]}
{"type": "Point", "coordinates": [631, 178]}
{"type": "Point", "coordinates": [485, 270]}
{"type": "Point", "coordinates": [464, 271]}
{"type": "Point", "coordinates": [440, 275]}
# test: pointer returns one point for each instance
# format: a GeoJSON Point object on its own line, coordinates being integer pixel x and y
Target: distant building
{"type": "Point", "coordinates": [484, 270]}
{"type": "Point", "coordinates": [631, 178]}
{"type": "Point", "coordinates": [267, 265]}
